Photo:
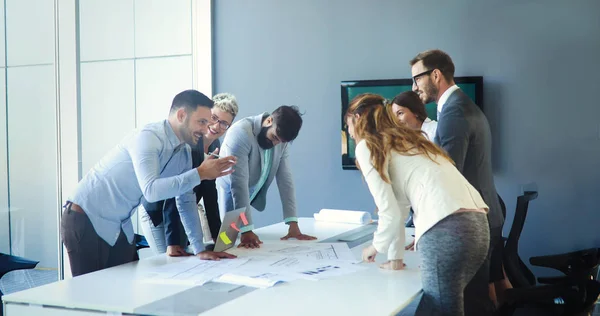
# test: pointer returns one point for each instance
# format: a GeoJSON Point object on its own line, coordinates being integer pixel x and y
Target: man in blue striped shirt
{"type": "Point", "coordinates": [153, 163]}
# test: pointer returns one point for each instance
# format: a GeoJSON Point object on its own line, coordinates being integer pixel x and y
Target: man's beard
{"type": "Point", "coordinates": [262, 139]}
{"type": "Point", "coordinates": [431, 92]}
{"type": "Point", "coordinates": [188, 136]}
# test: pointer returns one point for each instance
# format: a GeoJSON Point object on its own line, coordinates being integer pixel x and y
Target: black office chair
{"type": "Point", "coordinates": [572, 293]}
{"type": "Point", "coordinates": [10, 263]}
{"type": "Point", "coordinates": [409, 220]}
{"type": "Point", "coordinates": [502, 206]}
{"type": "Point", "coordinates": [141, 242]}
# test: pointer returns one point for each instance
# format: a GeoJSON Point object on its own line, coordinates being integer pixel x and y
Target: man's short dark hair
{"type": "Point", "coordinates": [288, 121]}
{"type": "Point", "coordinates": [190, 100]}
{"type": "Point", "coordinates": [436, 59]}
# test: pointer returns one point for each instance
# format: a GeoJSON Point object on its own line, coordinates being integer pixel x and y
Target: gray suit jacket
{"type": "Point", "coordinates": [464, 133]}
{"type": "Point", "coordinates": [234, 190]}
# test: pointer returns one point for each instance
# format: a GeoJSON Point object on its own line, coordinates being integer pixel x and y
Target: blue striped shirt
{"type": "Point", "coordinates": [151, 162]}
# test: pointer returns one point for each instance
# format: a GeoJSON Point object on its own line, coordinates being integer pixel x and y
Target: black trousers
{"type": "Point", "coordinates": [87, 251]}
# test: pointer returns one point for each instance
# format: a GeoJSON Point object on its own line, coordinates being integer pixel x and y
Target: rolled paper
{"type": "Point", "coordinates": [343, 216]}
{"type": "Point", "coordinates": [225, 238]}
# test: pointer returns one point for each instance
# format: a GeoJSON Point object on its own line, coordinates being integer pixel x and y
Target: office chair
{"type": "Point", "coordinates": [10, 263]}
{"type": "Point", "coordinates": [141, 242]}
{"type": "Point", "coordinates": [571, 293]}
{"type": "Point", "coordinates": [502, 206]}
{"type": "Point", "coordinates": [409, 220]}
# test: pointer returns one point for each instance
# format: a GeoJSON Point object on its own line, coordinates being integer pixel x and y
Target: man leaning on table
{"type": "Point", "coordinates": [261, 144]}
{"type": "Point", "coordinates": [153, 163]}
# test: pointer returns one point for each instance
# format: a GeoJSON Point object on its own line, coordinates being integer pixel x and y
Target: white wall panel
{"type": "Point", "coordinates": [163, 27]}
{"type": "Point", "coordinates": [32, 163]}
{"type": "Point", "coordinates": [30, 32]}
{"type": "Point", "coordinates": [4, 238]}
{"type": "Point", "coordinates": [107, 108]}
{"type": "Point", "coordinates": [158, 80]}
{"type": "Point", "coordinates": [106, 29]}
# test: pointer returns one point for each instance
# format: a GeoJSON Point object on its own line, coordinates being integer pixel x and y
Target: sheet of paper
{"type": "Point", "coordinates": [329, 269]}
{"type": "Point", "coordinates": [192, 271]}
{"type": "Point", "coordinates": [263, 271]}
{"type": "Point", "coordinates": [266, 269]}
{"type": "Point", "coordinates": [220, 287]}
{"type": "Point", "coordinates": [259, 280]}
{"type": "Point", "coordinates": [319, 251]}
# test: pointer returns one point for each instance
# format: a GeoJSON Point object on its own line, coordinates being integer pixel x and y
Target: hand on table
{"type": "Point", "coordinates": [294, 232]}
{"type": "Point", "coordinates": [369, 253]}
{"type": "Point", "coordinates": [249, 240]}
{"type": "Point", "coordinates": [211, 255]}
{"type": "Point", "coordinates": [177, 251]}
{"type": "Point", "coordinates": [393, 265]}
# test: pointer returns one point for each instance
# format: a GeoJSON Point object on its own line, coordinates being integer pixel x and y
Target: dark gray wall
{"type": "Point", "coordinates": [540, 65]}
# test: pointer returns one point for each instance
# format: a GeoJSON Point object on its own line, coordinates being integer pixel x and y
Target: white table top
{"type": "Point", "coordinates": [369, 292]}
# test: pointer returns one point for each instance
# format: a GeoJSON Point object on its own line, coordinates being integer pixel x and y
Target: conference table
{"type": "Point", "coordinates": [119, 291]}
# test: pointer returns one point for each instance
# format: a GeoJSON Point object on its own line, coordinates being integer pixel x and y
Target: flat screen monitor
{"type": "Point", "coordinates": [389, 88]}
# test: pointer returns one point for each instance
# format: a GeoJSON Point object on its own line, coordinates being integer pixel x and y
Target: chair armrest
{"type": "Point", "coordinates": [544, 294]}
{"type": "Point", "coordinates": [553, 280]}
{"type": "Point", "coordinates": [568, 262]}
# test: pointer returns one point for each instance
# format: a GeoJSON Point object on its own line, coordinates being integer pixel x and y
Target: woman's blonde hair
{"type": "Point", "coordinates": [375, 124]}
{"type": "Point", "coordinates": [226, 102]}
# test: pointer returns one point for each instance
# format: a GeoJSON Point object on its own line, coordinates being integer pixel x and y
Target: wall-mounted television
{"type": "Point", "coordinates": [389, 88]}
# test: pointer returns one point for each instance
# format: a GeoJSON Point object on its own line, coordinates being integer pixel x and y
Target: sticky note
{"type": "Point", "coordinates": [234, 226]}
{"type": "Point", "coordinates": [225, 238]}
{"type": "Point", "coordinates": [244, 219]}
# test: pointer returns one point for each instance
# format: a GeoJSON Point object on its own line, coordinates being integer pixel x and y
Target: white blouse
{"type": "Point", "coordinates": [433, 189]}
{"type": "Point", "coordinates": [429, 127]}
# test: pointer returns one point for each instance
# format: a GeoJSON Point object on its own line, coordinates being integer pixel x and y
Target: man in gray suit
{"type": "Point", "coordinates": [463, 131]}
{"type": "Point", "coordinates": [260, 144]}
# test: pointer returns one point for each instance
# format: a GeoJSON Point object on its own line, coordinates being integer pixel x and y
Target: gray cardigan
{"type": "Point", "coordinates": [234, 190]}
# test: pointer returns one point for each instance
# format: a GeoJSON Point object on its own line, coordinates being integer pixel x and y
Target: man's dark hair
{"type": "Point", "coordinates": [436, 59]}
{"type": "Point", "coordinates": [411, 101]}
{"type": "Point", "coordinates": [288, 121]}
{"type": "Point", "coordinates": [190, 100]}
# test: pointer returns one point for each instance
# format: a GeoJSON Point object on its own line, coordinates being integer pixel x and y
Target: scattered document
{"type": "Point", "coordinates": [261, 268]}
{"type": "Point", "coordinates": [330, 269]}
{"type": "Point", "coordinates": [319, 251]}
{"type": "Point", "coordinates": [262, 281]}
{"type": "Point", "coordinates": [284, 263]}
{"type": "Point", "coordinates": [192, 270]}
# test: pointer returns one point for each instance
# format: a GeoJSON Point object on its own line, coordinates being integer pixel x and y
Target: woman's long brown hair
{"type": "Point", "coordinates": [374, 124]}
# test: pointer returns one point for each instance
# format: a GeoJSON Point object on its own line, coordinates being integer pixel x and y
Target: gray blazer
{"type": "Point", "coordinates": [464, 133]}
{"type": "Point", "coordinates": [234, 189]}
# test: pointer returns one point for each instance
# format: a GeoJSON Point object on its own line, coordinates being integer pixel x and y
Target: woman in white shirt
{"type": "Point", "coordinates": [410, 110]}
{"type": "Point", "coordinates": [403, 169]}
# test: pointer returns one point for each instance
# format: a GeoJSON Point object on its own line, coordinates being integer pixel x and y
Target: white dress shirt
{"type": "Point", "coordinates": [434, 189]}
{"type": "Point", "coordinates": [429, 127]}
{"type": "Point", "coordinates": [444, 97]}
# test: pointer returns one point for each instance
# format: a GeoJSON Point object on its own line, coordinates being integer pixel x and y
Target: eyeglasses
{"type": "Point", "coordinates": [424, 73]}
{"type": "Point", "coordinates": [224, 125]}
